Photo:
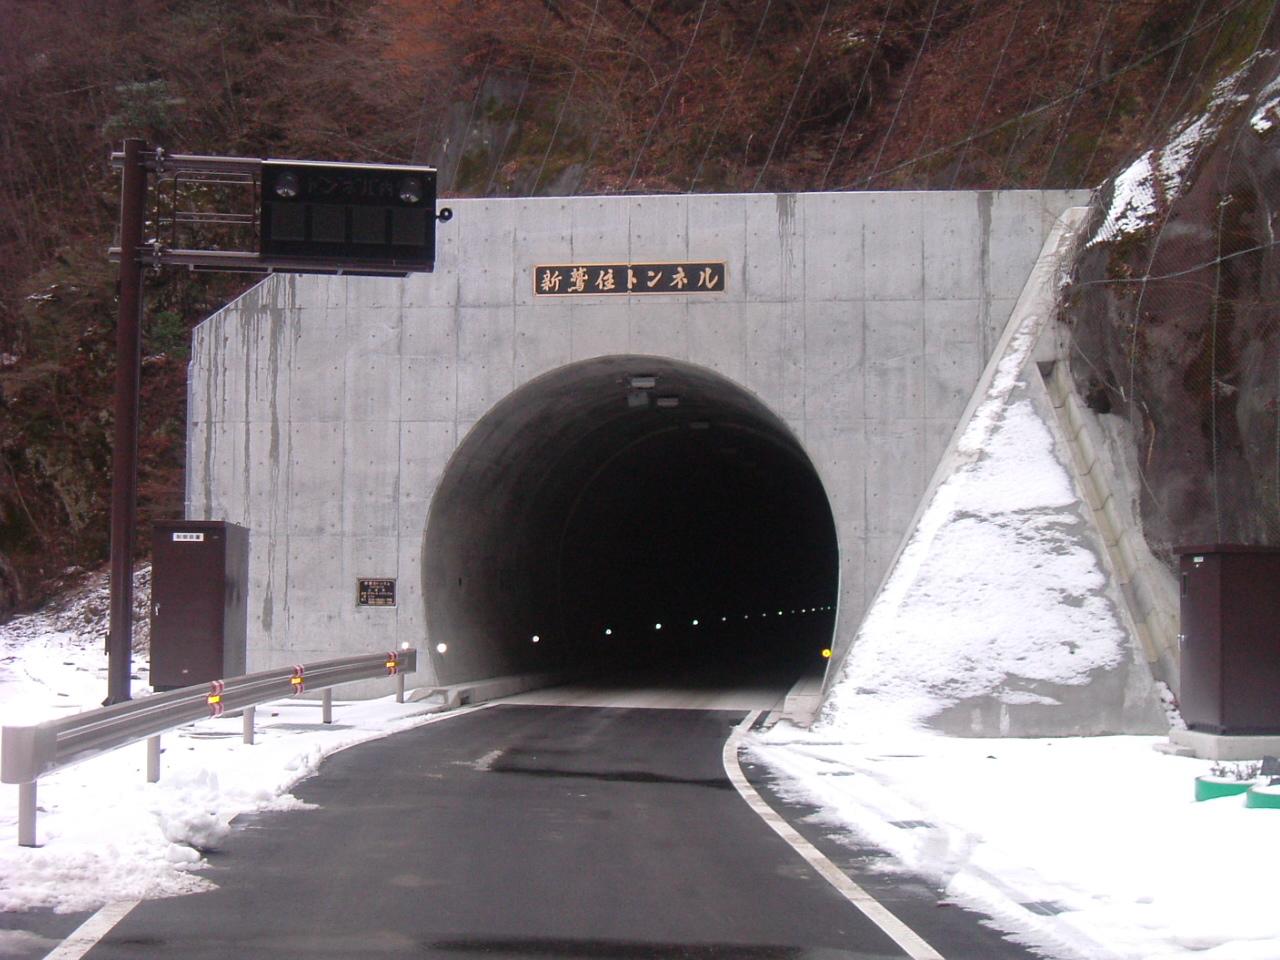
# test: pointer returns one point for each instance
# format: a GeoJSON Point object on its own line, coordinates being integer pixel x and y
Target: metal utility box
{"type": "Point", "coordinates": [1230, 639]}
{"type": "Point", "coordinates": [199, 614]}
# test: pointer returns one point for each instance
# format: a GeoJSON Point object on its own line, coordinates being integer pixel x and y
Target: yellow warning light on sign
{"type": "Point", "coordinates": [826, 653]}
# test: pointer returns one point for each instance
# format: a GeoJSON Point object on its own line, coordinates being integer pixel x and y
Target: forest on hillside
{"type": "Point", "coordinates": [507, 97]}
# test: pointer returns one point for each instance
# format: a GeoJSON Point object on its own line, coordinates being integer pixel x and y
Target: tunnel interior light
{"type": "Point", "coordinates": [442, 648]}
{"type": "Point", "coordinates": [723, 619]}
{"type": "Point", "coordinates": [644, 381]}
{"type": "Point", "coordinates": [608, 631]}
{"type": "Point", "coordinates": [695, 621]}
{"type": "Point", "coordinates": [826, 653]}
{"type": "Point", "coordinates": [405, 645]}
{"type": "Point", "coordinates": [657, 626]}
{"type": "Point", "coordinates": [536, 638]}
{"type": "Point", "coordinates": [667, 403]}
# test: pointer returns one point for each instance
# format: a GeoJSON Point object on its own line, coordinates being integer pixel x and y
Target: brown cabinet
{"type": "Point", "coordinates": [1230, 639]}
{"type": "Point", "coordinates": [199, 581]}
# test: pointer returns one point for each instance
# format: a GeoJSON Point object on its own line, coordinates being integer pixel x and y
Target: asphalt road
{"type": "Point", "coordinates": [531, 832]}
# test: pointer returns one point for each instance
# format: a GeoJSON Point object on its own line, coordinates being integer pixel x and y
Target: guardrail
{"type": "Point", "coordinates": [28, 752]}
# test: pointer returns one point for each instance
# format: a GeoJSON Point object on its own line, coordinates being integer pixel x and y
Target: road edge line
{"type": "Point", "coordinates": [86, 936]}
{"type": "Point", "coordinates": [911, 942]}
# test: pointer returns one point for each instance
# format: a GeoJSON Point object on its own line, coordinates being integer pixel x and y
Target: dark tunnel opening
{"type": "Point", "coordinates": [646, 520]}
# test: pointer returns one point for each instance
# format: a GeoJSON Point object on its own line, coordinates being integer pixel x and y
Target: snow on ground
{"type": "Point", "coordinates": [995, 591]}
{"type": "Point", "coordinates": [106, 833]}
{"type": "Point", "coordinates": [1084, 848]}
{"type": "Point", "coordinates": [1088, 848]}
{"type": "Point", "coordinates": [1158, 177]}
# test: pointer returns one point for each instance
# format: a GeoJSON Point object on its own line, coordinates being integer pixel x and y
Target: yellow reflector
{"type": "Point", "coordinates": [296, 681]}
{"type": "Point", "coordinates": [214, 698]}
{"type": "Point", "coordinates": [826, 653]}
{"type": "Point", "coordinates": [393, 663]}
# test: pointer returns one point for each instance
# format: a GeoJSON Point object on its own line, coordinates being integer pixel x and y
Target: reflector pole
{"type": "Point", "coordinates": [124, 454]}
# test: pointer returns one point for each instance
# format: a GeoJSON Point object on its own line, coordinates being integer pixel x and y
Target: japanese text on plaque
{"type": "Point", "coordinates": [588, 279]}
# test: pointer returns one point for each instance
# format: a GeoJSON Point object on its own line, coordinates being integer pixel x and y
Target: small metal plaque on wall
{"type": "Point", "coordinates": [376, 593]}
{"type": "Point", "coordinates": [596, 279]}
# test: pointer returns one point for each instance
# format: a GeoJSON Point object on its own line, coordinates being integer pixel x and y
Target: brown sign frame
{"type": "Point", "coordinates": [629, 279]}
{"type": "Point", "coordinates": [376, 592]}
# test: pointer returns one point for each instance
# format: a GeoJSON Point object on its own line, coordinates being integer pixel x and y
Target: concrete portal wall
{"type": "Point", "coordinates": [323, 411]}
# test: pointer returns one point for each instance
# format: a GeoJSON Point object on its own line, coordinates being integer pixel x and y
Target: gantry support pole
{"type": "Point", "coordinates": [124, 453]}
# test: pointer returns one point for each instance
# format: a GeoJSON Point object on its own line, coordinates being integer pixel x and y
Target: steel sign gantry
{"type": "Point", "coordinates": [308, 217]}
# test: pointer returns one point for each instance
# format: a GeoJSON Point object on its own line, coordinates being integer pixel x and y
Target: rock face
{"type": "Point", "coordinates": [1174, 311]}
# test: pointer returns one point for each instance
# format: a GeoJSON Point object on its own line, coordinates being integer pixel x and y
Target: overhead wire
{"type": "Point", "coordinates": [893, 122]}
{"type": "Point", "coordinates": [730, 98]}
{"type": "Point", "coordinates": [621, 88]}
{"type": "Point", "coordinates": [501, 151]}
{"type": "Point", "coordinates": [1056, 101]}
{"type": "Point", "coordinates": [932, 115]}
{"type": "Point", "coordinates": [564, 104]}
{"type": "Point", "coordinates": [817, 35]}
{"type": "Point", "coordinates": [1084, 73]}
{"type": "Point", "coordinates": [666, 97]}
{"type": "Point", "coordinates": [986, 96]}
{"type": "Point", "coordinates": [857, 97]}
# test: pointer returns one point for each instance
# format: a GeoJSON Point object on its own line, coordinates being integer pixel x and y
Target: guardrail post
{"type": "Point", "coordinates": [326, 706]}
{"type": "Point", "coordinates": [399, 687]}
{"type": "Point", "coordinates": [248, 725]}
{"type": "Point", "coordinates": [27, 814]}
{"type": "Point", "coordinates": [153, 759]}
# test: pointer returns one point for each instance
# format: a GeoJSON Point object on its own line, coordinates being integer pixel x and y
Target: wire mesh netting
{"type": "Point", "coordinates": [1176, 318]}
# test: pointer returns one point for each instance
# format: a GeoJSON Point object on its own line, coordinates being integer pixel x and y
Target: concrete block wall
{"type": "Point", "coordinates": [324, 410]}
{"type": "Point", "coordinates": [1100, 455]}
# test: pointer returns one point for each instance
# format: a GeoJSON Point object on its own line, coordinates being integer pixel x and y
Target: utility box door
{"type": "Point", "coordinates": [1230, 639]}
{"type": "Point", "coordinates": [198, 601]}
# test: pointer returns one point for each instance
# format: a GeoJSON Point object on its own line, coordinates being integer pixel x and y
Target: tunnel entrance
{"type": "Point", "coordinates": [635, 520]}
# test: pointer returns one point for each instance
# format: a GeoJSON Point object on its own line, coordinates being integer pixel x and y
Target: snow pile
{"type": "Point", "coordinates": [1268, 111]}
{"type": "Point", "coordinates": [107, 834]}
{"type": "Point", "coordinates": [1086, 848]}
{"type": "Point", "coordinates": [994, 592]}
{"type": "Point", "coordinates": [1158, 177]}
{"type": "Point", "coordinates": [83, 612]}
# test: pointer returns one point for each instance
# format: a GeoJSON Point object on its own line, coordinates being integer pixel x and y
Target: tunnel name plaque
{"type": "Point", "coordinates": [596, 279]}
{"type": "Point", "coordinates": [376, 592]}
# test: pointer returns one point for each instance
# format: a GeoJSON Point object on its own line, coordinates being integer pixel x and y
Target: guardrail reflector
{"type": "Point", "coordinates": [214, 700]}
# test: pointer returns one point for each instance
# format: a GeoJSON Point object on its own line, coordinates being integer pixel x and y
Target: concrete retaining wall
{"type": "Point", "coordinates": [324, 411]}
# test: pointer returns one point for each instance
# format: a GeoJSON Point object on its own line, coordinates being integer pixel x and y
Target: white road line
{"type": "Point", "coordinates": [87, 935]}
{"type": "Point", "coordinates": [910, 941]}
